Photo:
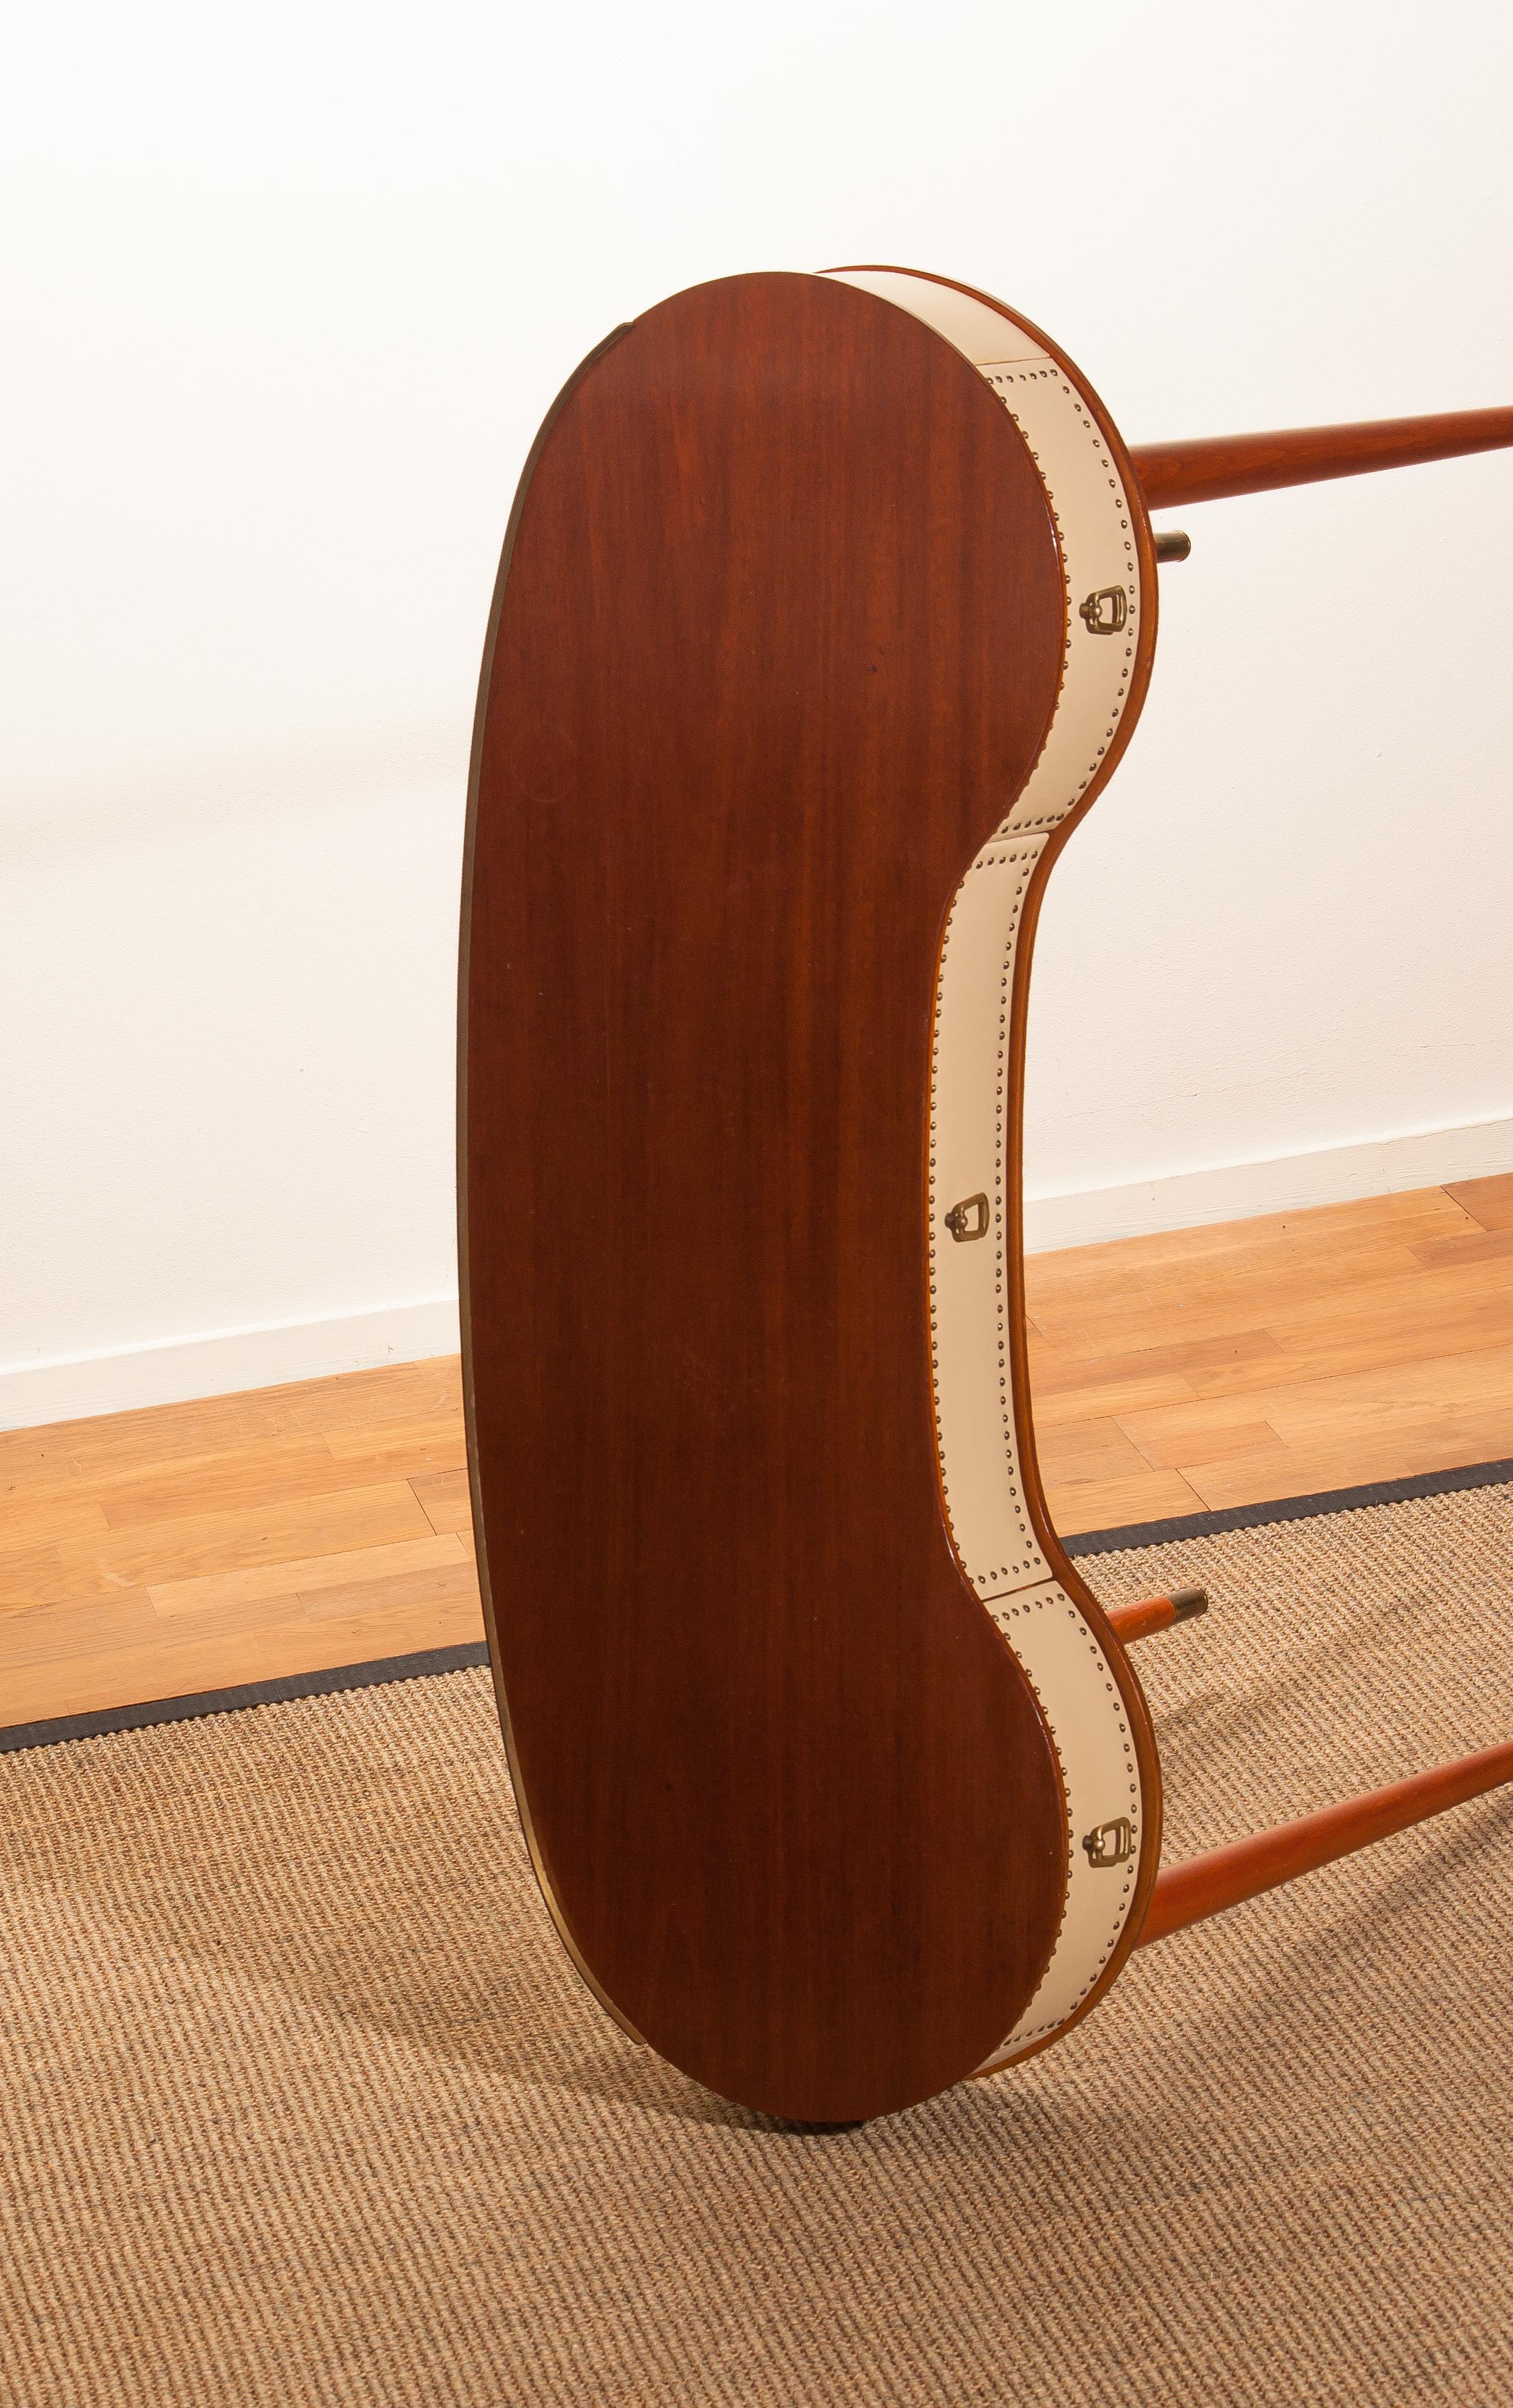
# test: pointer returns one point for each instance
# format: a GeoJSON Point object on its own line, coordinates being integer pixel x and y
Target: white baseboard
{"type": "Point", "coordinates": [171, 1370]}
{"type": "Point", "coordinates": [1291, 1183]}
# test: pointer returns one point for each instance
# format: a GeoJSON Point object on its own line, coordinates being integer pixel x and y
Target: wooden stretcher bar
{"type": "Point", "coordinates": [1152, 1614]}
{"type": "Point", "coordinates": [1220, 1878]}
{"type": "Point", "coordinates": [1212, 467]}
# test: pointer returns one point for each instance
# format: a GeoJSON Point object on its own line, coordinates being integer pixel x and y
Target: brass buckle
{"type": "Point", "coordinates": [1112, 1843]}
{"type": "Point", "coordinates": [1090, 612]}
{"type": "Point", "coordinates": [960, 1218]}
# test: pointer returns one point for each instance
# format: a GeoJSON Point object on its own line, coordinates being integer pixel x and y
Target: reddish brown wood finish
{"type": "Point", "coordinates": [1129, 1623]}
{"type": "Point", "coordinates": [1151, 1614]}
{"type": "Point", "coordinates": [1225, 1877]}
{"type": "Point", "coordinates": [777, 635]}
{"type": "Point", "coordinates": [1210, 467]}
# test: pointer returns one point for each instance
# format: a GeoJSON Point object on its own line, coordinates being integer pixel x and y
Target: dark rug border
{"type": "Point", "coordinates": [456, 1659]}
{"type": "Point", "coordinates": [1290, 1508]}
{"type": "Point", "coordinates": [252, 1693]}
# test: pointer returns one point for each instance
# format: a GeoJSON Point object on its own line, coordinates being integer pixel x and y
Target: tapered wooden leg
{"type": "Point", "coordinates": [1155, 1613]}
{"type": "Point", "coordinates": [1225, 1877]}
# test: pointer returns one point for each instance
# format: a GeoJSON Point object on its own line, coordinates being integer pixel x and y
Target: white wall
{"type": "Point", "coordinates": [289, 291]}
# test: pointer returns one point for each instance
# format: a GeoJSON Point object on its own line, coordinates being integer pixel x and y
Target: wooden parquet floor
{"type": "Point", "coordinates": [240, 1538]}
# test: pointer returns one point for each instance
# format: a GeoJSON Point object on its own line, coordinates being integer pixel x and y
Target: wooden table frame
{"type": "Point", "coordinates": [828, 604]}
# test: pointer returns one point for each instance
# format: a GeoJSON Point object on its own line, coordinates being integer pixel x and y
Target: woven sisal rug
{"type": "Point", "coordinates": [302, 2104]}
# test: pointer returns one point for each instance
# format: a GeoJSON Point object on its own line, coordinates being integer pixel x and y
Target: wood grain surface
{"type": "Point", "coordinates": [1212, 467]}
{"type": "Point", "coordinates": [778, 639]}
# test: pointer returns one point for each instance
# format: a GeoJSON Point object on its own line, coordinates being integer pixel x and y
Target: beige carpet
{"type": "Point", "coordinates": [300, 2101]}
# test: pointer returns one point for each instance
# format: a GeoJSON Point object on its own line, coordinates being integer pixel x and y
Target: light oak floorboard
{"type": "Point", "coordinates": [198, 1662]}
{"type": "Point", "coordinates": [190, 1542]}
{"type": "Point", "coordinates": [444, 1498]}
{"type": "Point", "coordinates": [303, 1575]}
{"type": "Point", "coordinates": [203, 1546]}
{"type": "Point", "coordinates": [1110, 1504]}
{"type": "Point", "coordinates": [1487, 1201]}
{"type": "Point", "coordinates": [273, 1472]}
